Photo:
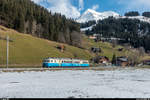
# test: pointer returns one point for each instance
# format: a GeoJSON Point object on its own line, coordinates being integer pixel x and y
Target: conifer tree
{"type": "Point", "coordinates": [114, 59]}
{"type": "Point", "coordinates": [27, 17]}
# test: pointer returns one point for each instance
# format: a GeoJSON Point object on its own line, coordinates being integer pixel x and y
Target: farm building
{"type": "Point", "coordinates": [95, 50]}
{"type": "Point", "coordinates": [122, 61]}
{"type": "Point", "coordinates": [101, 60]}
{"type": "Point", "coordinates": [146, 62]}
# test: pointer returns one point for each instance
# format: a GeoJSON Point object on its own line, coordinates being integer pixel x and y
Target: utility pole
{"type": "Point", "coordinates": [7, 51]}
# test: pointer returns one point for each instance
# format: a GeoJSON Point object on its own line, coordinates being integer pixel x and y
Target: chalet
{"type": "Point", "coordinates": [120, 49]}
{"type": "Point", "coordinates": [122, 61]}
{"type": "Point", "coordinates": [95, 50]}
{"type": "Point", "coordinates": [101, 60]}
{"type": "Point", "coordinates": [94, 36]}
{"type": "Point", "coordinates": [146, 62]}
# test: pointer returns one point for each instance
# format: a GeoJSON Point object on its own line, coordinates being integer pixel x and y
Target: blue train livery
{"type": "Point", "coordinates": [64, 62]}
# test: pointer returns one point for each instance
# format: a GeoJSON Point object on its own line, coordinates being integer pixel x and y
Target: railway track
{"type": "Point", "coordinates": [34, 69]}
{"type": "Point", "coordinates": [46, 69]}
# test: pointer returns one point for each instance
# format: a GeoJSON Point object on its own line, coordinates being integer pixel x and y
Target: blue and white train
{"type": "Point", "coordinates": [64, 62]}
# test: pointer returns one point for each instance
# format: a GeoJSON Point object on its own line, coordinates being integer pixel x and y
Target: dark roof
{"type": "Point", "coordinates": [100, 57]}
{"type": "Point", "coordinates": [146, 60]}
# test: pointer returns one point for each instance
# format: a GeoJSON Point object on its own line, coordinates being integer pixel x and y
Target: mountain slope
{"type": "Point", "coordinates": [29, 50]}
{"type": "Point", "coordinates": [90, 14]}
{"type": "Point", "coordinates": [27, 17]}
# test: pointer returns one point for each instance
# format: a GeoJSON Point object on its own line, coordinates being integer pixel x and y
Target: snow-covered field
{"type": "Point", "coordinates": [120, 83]}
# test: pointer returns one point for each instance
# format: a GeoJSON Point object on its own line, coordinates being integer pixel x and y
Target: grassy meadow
{"type": "Point", "coordinates": [26, 50]}
{"type": "Point", "coordinates": [29, 50]}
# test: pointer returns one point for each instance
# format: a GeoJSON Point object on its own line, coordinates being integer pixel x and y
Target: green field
{"type": "Point", "coordinates": [107, 49]}
{"type": "Point", "coordinates": [29, 50]}
{"type": "Point", "coordinates": [26, 50]}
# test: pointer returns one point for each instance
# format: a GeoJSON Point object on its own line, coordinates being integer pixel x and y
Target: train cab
{"type": "Point", "coordinates": [64, 62]}
{"type": "Point", "coordinates": [51, 62]}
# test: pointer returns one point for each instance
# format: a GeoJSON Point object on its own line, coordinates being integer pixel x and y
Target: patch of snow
{"type": "Point", "coordinates": [121, 83]}
{"type": "Point", "coordinates": [90, 15]}
{"type": "Point", "coordinates": [87, 28]}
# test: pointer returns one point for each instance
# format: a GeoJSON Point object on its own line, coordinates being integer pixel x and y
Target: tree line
{"type": "Point", "coordinates": [136, 13]}
{"type": "Point", "coordinates": [27, 17]}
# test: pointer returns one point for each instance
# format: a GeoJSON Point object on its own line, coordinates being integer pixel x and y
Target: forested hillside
{"type": "Point", "coordinates": [133, 31]}
{"type": "Point", "coordinates": [28, 17]}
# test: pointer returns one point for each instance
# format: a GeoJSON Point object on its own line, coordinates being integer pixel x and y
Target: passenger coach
{"type": "Point", "coordinates": [64, 62]}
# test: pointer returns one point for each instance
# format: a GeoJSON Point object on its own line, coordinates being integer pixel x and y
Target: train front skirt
{"type": "Point", "coordinates": [64, 65]}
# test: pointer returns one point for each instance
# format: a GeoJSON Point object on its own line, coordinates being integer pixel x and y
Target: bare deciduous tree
{"type": "Point", "coordinates": [61, 37]}
{"type": "Point", "coordinates": [76, 39]}
{"type": "Point", "coordinates": [114, 43]}
{"type": "Point", "coordinates": [141, 51]}
{"type": "Point", "coordinates": [133, 57]}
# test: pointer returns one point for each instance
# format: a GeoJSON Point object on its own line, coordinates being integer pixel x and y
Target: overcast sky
{"type": "Point", "coordinates": [74, 8]}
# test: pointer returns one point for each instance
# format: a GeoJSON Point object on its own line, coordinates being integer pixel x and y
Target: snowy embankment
{"type": "Point", "coordinates": [123, 83]}
{"type": "Point", "coordinates": [87, 28]}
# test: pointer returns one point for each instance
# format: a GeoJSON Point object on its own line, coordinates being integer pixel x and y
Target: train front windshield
{"type": "Point", "coordinates": [45, 60]}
